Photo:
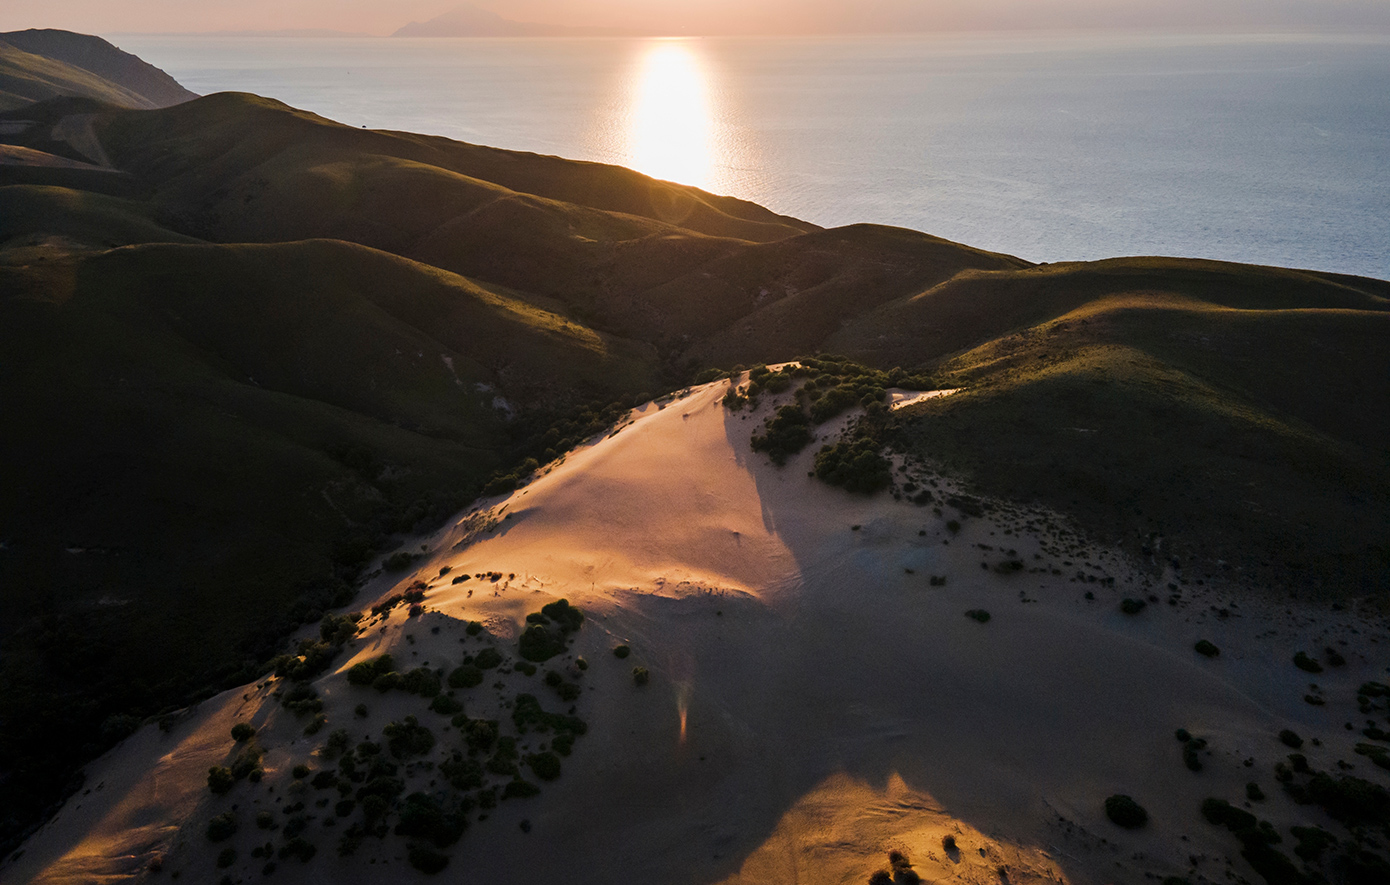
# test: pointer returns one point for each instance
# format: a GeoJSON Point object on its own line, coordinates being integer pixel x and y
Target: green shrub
{"type": "Point", "coordinates": [300, 848]}
{"type": "Point", "coordinates": [1132, 606]}
{"type": "Point", "coordinates": [265, 820]}
{"type": "Point", "coordinates": [539, 644]}
{"type": "Point", "coordinates": [226, 857]}
{"type": "Point", "coordinates": [467, 676]}
{"type": "Point", "coordinates": [473, 628]}
{"type": "Point", "coordinates": [398, 561]}
{"type": "Point", "coordinates": [978, 614]}
{"type": "Point", "coordinates": [1254, 793]}
{"type": "Point", "coordinates": [366, 672]}
{"type": "Point", "coordinates": [445, 705]}
{"type": "Point", "coordinates": [421, 681]}
{"type": "Point", "coordinates": [462, 774]}
{"type": "Point", "coordinates": [302, 699]}
{"type": "Point", "coordinates": [300, 772]}
{"type": "Point", "coordinates": [1125, 812]}
{"type": "Point", "coordinates": [568, 617]}
{"type": "Point", "coordinates": [1206, 649]}
{"type": "Point", "coordinates": [426, 859]}
{"type": "Point", "coordinates": [546, 766]}
{"type": "Point", "coordinates": [336, 745]}
{"type": "Point", "coordinates": [242, 732]}
{"type": "Point", "coordinates": [221, 827]}
{"type": "Point", "coordinates": [621, 651]}
{"type": "Point", "coordinates": [1306, 664]}
{"type": "Point", "coordinates": [787, 432]}
{"type": "Point", "coordinates": [388, 682]}
{"type": "Point", "coordinates": [424, 817]}
{"type": "Point", "coordinates": [856, 466]}
{"type": "Point", "coordinates": [488, 658]}
{"type": "Point", "coordinates": [220, 779]}
{"type": "Point", "coordinates": [1289, 738]}
{"type": "Point", "coordinates": [1191, 753]}
{"type": "Point", "coordinates": [408, 738]}
{"type": "Point", "coordinates": [520, 789]}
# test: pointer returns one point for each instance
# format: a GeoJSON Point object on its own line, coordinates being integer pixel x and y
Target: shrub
{"type": "Point", "coordinates": [302, 699]}
{"type": "Point", "coordinates": [421, 681]}
{"type": "Point", "coordinates": [408, 738]}
{"type": "Point", "coordinates": [487, 659]}
{"type": "Point", "coordinates": [366, 672]}
{"type": "Point", "coordinates": [1191, 753]}
{"type": "Point", "coordinates": [265, 820]}
{"type": "Point", "coordinates": [223, 826]}
{"type": "Point", "coordinates": [520, 789]}
{"type": "Point", "coordinates": [1206, 649]}
{"type": "Point", "coordinates": [360, 711]}
{"type": "Point", "coordinates": [546, 766]}
{"type": "Point", "coordinates": [426, 859]}
{"type": "Point", "coordinates": [1254, 793]}
{"type": "Point", "coordinates": [300, 772]}
{"type": "Point", "coordinates": [621, 651]}
{"type": "Point", "coordinates": [787, 432]}
{"type": "Point", "coordinates": [242, 732]}
{"type": "Point", "coordinates": [398, 561]}
{"type": "Point", "coordinates": [567, 617]}
{"type": "Point", "coordinates": [336, 745]}
{"type": "Point", "coordinates": [474, 627]}
{"type": "Point", "coordinates": [640, 675]}
{"type": "Point", "coordinates": [1125, 812]}
{"type": "Point", "coordinates": [445, 705]}
{"type": "Point", "coordinates": [1132, 606]}
{"type": "Point", "coordinates": [539, 644]}
{"type": "Point", "coordinates": [953, 526]}
{"type": "Point", "coordinates": [388, 681]}
{"type": "Point", "coordinates": [298, 847]}
{"type": "Point", "coordinates": [423, 816]}
{"type": "Point", "coordinates": [467, 676]}
{"type": "Point", "coordinates": [854, 466]}
{"type": "Point", "coordinates": [226, 858]}
{"type": "Point", "coordinates": [1306, 664]}
{"type": "Point", "coordinates": [978, 614]}
{"type": "Point", "coordinates": [220, 779]}
{"type": "Point", "coordinates": [1289, 738]}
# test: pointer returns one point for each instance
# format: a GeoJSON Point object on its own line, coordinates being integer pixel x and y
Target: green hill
{"type": "Point", "coordinates": [262, 345]}
{"type": "Point", "coordinates": [41, 64]}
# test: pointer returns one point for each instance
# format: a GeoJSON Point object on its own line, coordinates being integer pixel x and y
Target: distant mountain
{"type": "Point", "coordinates": [470, 21]}
{"type": "Point", "coordinates": [287, 32]}
{"type": "Point", "coordinates": [40, 64]}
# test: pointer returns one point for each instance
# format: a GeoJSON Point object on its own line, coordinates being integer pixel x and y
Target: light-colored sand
{"type": "Point", "coordinates": [815, 701]}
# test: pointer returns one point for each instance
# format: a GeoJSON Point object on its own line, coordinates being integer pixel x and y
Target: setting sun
{"type": "Point", "coordinates": [670, 126]}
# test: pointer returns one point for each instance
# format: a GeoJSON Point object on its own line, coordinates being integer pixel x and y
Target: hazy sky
{"type": "Point", "coordinates": [703, 16]}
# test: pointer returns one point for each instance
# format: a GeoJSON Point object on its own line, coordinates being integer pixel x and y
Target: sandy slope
{"type": "Point", "coordinates": [815, 701]}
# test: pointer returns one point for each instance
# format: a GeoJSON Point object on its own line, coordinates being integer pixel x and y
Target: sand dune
{"type": "Point", "coordinates": [815, 702]}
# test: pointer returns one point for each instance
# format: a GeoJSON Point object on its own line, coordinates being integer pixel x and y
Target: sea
{"type": "Point", "coordinates": [1270, 149]}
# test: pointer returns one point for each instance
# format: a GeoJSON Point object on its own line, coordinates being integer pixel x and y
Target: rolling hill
{"type": "Point", "coordinates": [250, 350]}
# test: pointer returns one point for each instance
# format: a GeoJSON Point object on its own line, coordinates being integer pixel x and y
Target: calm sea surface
{"type": "Point", "coordinates": [1051, 147]}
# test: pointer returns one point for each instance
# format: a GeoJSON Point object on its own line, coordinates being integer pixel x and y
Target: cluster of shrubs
{"type": "Point", "coordinates": [788, 432]}
{"type": "Point", "coordinates": [380, 673]}
{"type": "Point", "coordinates": [899, 872]}
{"type": "Point", "coordinates": [856, 465]}
{"type": "Point", "coordinates": [1192, 748]}
{"type": "Point", "coordinates": [1257, 838]}
{"type": "Point", "coordinates": [547, 631]}
{"type": "Point", "coordinates": [413, 596]}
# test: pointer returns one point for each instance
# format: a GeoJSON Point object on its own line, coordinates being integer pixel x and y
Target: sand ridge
{"type": "Point", "coordinates": [815, 700]}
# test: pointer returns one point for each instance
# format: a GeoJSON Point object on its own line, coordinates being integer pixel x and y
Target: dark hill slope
{"type": "Point", "coordinates": [1234, 417]}
{"type": "Point", "coordinates": [213, 438]}
{"type": "Point", "coordinates": [146, 85]}
{"type": "Point", "coordinates": [26, 78]}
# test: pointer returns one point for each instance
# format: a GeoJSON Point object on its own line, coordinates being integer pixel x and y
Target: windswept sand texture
{"type": "Point", "coordinates": [815, 700]}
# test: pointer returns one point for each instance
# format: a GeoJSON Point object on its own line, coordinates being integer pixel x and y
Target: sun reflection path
{"type": "Point", "coordinates": [670, 124]}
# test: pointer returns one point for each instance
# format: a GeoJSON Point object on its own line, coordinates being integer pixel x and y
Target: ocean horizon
{"type": "Point", "coordinates": [1267, 149]}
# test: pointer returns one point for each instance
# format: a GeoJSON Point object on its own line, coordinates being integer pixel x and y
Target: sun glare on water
{"type": "Point", "coordinates": [670, 124]}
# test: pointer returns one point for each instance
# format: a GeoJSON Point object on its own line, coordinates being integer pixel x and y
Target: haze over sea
{"type": "Point", "coordinates": [1264, 149]}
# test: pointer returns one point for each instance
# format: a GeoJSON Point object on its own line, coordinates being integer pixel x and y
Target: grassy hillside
{"type": "Point", "coordinates": [26, 77]}
{"type": "Point", "coordinates": [267, 343]}
{"type": "Point", "coordinates": [217, 435]}
{"type": "Point", "coordinates": [94, 68]}
{"type": "Point", "coordinates": [1226, 418]}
